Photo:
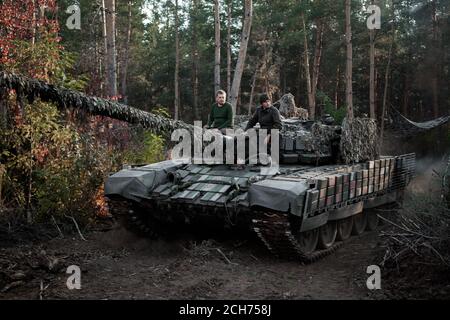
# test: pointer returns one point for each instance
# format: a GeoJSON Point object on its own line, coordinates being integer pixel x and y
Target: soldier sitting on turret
{"type": "Point", "coordinates": [221, 112]}
{"type": "Point", "coordinates": [267, 116]}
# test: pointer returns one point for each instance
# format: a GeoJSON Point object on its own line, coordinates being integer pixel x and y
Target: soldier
{"type": "Point", "coordinates": [221, 114]}
{"type": "Point", "coordinates": [267, 116]}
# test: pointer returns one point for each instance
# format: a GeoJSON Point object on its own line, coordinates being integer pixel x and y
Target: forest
{"type": "Point", "coordinates": [167, 59]}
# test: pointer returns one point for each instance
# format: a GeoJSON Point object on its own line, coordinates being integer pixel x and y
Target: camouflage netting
{"type": "Point", "coordinates": [323, 136]}
{"type": "Point", "coordinates": [359, 140]}
{"type": "Point", "coordinates": [65, 98]}
{"type": "Point", "coordinates": [401, 126]}
{"type": "Point", "coordinates": [240, 121]}
{"type": "Point", "coordinates": [287, 108]}
{"type": "Point", "coordinates": [318, 140]}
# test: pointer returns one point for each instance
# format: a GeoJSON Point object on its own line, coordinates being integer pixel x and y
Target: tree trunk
{"type": "Point", "coordinates": [317, 56]}
{"type": "Point", "coordinates": [177, 64]}
{"type": "Point", "coordinates": [436, 67]}
{"type": "Point", "coordinates": [127, 54]}
{"type": "Point", "coordinates": [349, 69]}
{"type": "Point", "coordinates": [283, 80]}
{"type": "Point", "coordinates": [2, 172]}
{"type": "Point", "coordinates": [372, 74]}
{"type": "Point", "coordinates": [242, 54]}
{"type": "Point", "coordinates": [229, 48]}
{"type": "Point", "coordinates": [299, 84]}
{"type": "Point", "coordinates": [111, 48]}
{"type": "Point", "coordinates": [252, 92]}
{"type": "Point", "coordinates": [195, 81]}
{"type": "Point", "coordinates": [311, 100]}
{"type": "Point", "coordinates": [406, 89]}
{"type": "Point", "coordinates": [97, 60]}
{"type": "Point", "coordinates": [217, 46]}
{"type": "Point", "coordinates": [33, 24]}
{"type": "Point", "coordinates": [265, 69]}
{"type": "Point", "coordinates": [336, 91]}
{"type": "Point", "coordinates": [104, 33]}
{"type": "Point", "coordinates": [386, 83]}
{"type": "Point", "coordinates": [104, 53]}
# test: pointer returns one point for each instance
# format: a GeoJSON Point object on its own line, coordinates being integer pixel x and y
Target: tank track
{"type": "Point", "coordinates": [275, 231]}
{"type": "Point", "coordinates": [130, 217]}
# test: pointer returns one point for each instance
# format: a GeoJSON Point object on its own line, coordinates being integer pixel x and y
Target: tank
{"type": "Point", "coordinates": [303, 210]}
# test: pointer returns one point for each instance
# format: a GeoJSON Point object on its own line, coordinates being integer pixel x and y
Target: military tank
{"type": "Point", "coordinates": [303, 210]}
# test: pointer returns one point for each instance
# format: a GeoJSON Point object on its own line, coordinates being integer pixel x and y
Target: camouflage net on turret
{"type": "Point", "coordinates": [287, 108]}
{"type": "Point", "coordinates": [317, 140]}
{"type": "Point", "coordinates": [322, 137]}
{"type": "Point", "coordinates": [359, 140]}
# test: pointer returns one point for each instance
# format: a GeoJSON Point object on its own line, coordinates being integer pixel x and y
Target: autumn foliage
{"type": "Point", "coordinates": [27, 20]}
{"type": "Point", "coordinates": [53, 163]}
{"type": "Point", "coordinates": [51, 166]}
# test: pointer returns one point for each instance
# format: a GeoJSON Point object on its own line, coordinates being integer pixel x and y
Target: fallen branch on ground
{"type": "Point", "coordinates": [76, 225]}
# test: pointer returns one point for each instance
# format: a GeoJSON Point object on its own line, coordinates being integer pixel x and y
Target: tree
{"type": "Point", "coordinates": [195, 58]}
{"type": "Point", "coordinates": [127, 54]}
{"type": "Point", "coordinates": [105, 48]}
{"type": "Point", "coordinates": [387, 73]}
{"type": "Point", "coordinates": [230, 2]}
{"type": "Point", "coordinates": [111, 67]}
{"type": "Point", "coordinates": [248, 14]}
{"type": "Point", "coordinates": [372, 72]}
{"type": "Point", "coordinates": [217, 46]}
{"type": "Point", "coordinates": [415, 64]}
{"type": "Point", "coordinates": [311, 97]}
{"type": "Point", "coordinates": [177, 63]}
{"type": "Point", "coordinates": [312, 80]}
{"type": "Point", "coordinates": [349, 69]}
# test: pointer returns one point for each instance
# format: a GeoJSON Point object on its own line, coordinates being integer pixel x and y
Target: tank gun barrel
{"type": "Point", "coordinates": [65, 98]}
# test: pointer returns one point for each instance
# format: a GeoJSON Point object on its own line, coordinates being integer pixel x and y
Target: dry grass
{"type": "Point", "coordinates": [420, 233]}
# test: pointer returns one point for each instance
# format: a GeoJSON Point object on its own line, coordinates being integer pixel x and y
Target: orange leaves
{"type": "Point", "coordinates": [114, 98]}
{"type": "Point", "coordinates": [25, 20]}
{"type": "Point", "coordinates": [40, 154]}
{"type": "Point", "coordinates": [100, 202]}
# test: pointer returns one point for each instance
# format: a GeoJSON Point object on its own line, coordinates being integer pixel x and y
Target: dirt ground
{"type": "Point", "coordinates": [117, 264]}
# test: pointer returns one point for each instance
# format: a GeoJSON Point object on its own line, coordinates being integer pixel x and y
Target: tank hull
{"type": "Point", "coordinates": [284, 208]}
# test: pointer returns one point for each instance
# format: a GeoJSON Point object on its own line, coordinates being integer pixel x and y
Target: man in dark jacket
{"type": "Point", "coordinates": [267, 116]}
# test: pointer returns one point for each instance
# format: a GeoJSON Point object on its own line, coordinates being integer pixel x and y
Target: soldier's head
{"type": "Point", "coordinates": [264, 100]}
{"type": "Point", "coordinates": [221, 97]}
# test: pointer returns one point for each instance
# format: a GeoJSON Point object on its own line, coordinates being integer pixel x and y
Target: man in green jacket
{"type": "Point", "coordinates": [221, 112]}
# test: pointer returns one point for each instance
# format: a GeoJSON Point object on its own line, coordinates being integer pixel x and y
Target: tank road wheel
{"type": "Point", "coordinates": [327, 234]}
{"type": "Point", "coordinates": [308, 240]}
{"type": "Point", "coordinates": [359, 223]}
{"type": "Point", "coordinates": [372, 220]}
{"type": "Point", "coordinates": [344, 228]}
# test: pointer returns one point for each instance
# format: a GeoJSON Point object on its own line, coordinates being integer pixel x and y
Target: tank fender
{"type": "Point", "coordinates": [279, 195]}
{"type": "Point", "coordinates": [136, 183]}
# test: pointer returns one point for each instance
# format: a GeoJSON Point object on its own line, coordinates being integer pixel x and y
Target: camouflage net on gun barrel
{"type": "Point", "coordinates": [65, 98]}
{"type": "Point", "coordinates": [359, 140]}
